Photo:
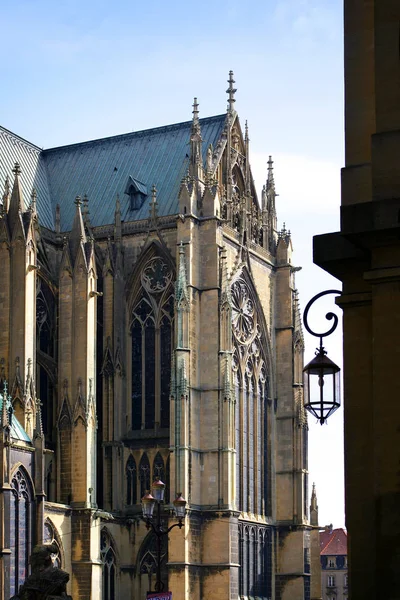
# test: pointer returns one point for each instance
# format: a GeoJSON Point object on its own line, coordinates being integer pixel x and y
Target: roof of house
{"type": "Point", "coordinates": [103, 168]}
{"type": "Point", "coordinates": [333, 542]}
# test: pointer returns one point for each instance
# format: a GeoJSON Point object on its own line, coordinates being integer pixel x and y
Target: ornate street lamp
{"type": "Point", "coordinates": [321, 374]}
{"type": "Point", "coordinates": [149, 502]}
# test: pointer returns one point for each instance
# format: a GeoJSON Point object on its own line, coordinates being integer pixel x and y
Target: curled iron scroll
{"type": "Point", "coordinates": [329, 316]}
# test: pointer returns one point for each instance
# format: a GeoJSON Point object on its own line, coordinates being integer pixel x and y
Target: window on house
{"type": "Point", "coordinates": [332, 562]}
{"type": "Point", "coordinates": [331, 581]}
{"type": "Point", "coordinates": [346, 581]}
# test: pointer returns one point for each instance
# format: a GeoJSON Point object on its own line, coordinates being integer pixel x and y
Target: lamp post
{"type": "Point", "coordinates": [149, 501]}
{"type": "Point", "coordinates": [321, 374]}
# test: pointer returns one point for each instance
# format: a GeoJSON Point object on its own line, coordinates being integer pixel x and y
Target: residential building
{"type": "Point", "coordinates": [334, 564]}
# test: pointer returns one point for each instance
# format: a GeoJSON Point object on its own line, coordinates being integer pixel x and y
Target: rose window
{"type": "Point", "coordinates": [243, 313]}
{"type": "Point", "coordinates": [156, 276]}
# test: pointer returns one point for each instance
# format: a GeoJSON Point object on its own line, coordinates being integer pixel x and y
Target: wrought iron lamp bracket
{"type": "Point", "coordinates": [329, 316]}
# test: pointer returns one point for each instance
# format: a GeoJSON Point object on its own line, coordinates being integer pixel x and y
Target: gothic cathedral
{"type": "Point", "coordinates": [150, 327]}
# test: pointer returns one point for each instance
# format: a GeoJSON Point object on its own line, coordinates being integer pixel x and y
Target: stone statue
{"type": "Point", "coordinates": [46, 581]}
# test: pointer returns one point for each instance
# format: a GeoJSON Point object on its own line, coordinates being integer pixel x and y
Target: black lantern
{"type": "Point", "coordinates": [155, 522]}
{"type": "Point", "coordinates": [321, 386]}
{"type": "Point", "coordinates": [321, 375]}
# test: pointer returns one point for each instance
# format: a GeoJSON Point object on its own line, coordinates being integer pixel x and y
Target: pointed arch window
{"type": "Point", "coordinates": [151, 331]}
{"type": "Point", "coordinates": [46, 337]}
{"type": "Point", "coordinates": [158, 467]}
{"type": "Point", "coordinates": [147, 561]}
{"type": "Point", "coordinates": [21, 504]}
{"type": "Point", "coordinates": [131, 481]}
{"type": "Point", "coordinates": [144, 474]}
{"type": "Point", "coordinates": [250, 376]}
{"type": "Point", "coordinates": [51, 537]}
{"type": "Point", "coordinates": [109, 570]}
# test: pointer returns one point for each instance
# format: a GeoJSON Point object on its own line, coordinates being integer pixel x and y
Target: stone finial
{"type": "Point", "coordinates": [33, 201]}
{"type": "Point", "coordinates": [58, 219]}
{"type": "Point", "coordinates": [6, 196]}
{"type": "Point", "coordinates": [77, 235]}
{"type": "Point", "coordinates": [231, 92]}
{"type": "Point", "coordinates": [195, 111]}
{"type": "Point", "coordinates": [16, 204]}
{"type": "Point", "coordinates": [270, 185]}
{"type": "Point", "coordinates": [181, 291]}
{"type": "Point", "coordinates": [153, 206]}
{"type": "Point", "coordinates": [17, 169]}
{"type": "Point", "coordinates": [117, 220]}
{"type": "Point", "coordinates": [85, 211]}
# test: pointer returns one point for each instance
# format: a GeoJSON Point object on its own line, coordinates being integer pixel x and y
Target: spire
{"type": "Point", "coordinates": [153, 216]}
{"type": "Point", "coordinates": [247, 146]}
{"type": "Point", "coordinates": [195, 121]}
{"type": "Point", "coordinates": [58, 219]}
{"type": "Point", "coordinates": [195, 167]}
{"type": "Point", "coordinates": [38, 430]}
{"type": "Point", "coordinates": [33, 201]}
{"type": "Point", "coordinates": [85, 212]}
{"type": "Point", "coordinates": [77, 235]}
{"type": "Point", "coordinates": [226, 297]}
{"type": "Point", "coordinates": [270, 185]}
{"type": "Point", "coordinates": [183, 383]}
{"type": "Point", "coordinates": [16, 203]}
{"type": "Point", "coordinates": [181, 282]}
{"type": "Point", "coordinates": [4, 407]}
{"type": "Point", "coordinates": [313, 507]}
{"type": "Point", "coordinates": [6, 196]}
{"type": "Point", "coordinates": [231, 93]}
{"type": "Point", "coordinates": [117, 220]}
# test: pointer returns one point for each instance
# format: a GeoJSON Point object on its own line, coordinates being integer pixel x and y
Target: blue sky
{"type": "Point", "coordinates": [84, 70]}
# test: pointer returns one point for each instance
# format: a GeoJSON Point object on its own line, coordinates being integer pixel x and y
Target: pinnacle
{"type": "Point", "coordinates": [231, 92]}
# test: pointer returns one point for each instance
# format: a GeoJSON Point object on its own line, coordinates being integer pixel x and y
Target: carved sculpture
{"type": "Point", "coordinates": [46, 581]}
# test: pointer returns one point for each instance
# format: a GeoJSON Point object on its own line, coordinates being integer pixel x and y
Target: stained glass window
{"type": "Point", "coordinates": [151, 329]}
{"type": "Point", "coordinates": [20, 529]}
{"type": "Point", "coordinates": [108, 566]}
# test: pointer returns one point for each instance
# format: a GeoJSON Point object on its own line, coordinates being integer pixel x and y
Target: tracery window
{"type": "Point", "coordinates": [51, 537]}
{"type": "Point", "coordinates": [255, 558]}
{"type": "Point", "coordinates": [108, 560]}
{"type": "Point", "coordinates": [250, 378]}
{"type": "Point", "coordinates": [151, 330]}
{"type": "Point", "coordinates": [131, 481]}
{"type": "Point", "coordinates": [45, 344]}
{"type": "Point", "coordinates": [20, 529]}
{"type": "Point", "coordinates": [144, 474]}
{"type": "Point", "coordinates": [147, 560]}
{"type": "Point", "coordinates": [158, 468]}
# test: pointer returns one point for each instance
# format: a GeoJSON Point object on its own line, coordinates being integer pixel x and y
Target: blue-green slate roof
{"type": "Point", "coordinates": [101, 169]}
{"type": "Point", "coordinates": [17, 431]}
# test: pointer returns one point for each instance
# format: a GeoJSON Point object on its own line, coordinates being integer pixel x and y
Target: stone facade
{"type": "Point", "coordinates": [365, 256]}
{"type": "Point", "coordinates": [168, 345]}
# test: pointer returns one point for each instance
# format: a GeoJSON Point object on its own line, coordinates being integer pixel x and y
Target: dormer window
{"type": "Point", "coordinates": [331, 562]}
{"type": "Point", "coordinates": [137, 192]}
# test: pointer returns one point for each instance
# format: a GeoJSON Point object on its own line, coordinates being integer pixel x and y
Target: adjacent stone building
{"type": "Point", "coordinates": [150, 326]}
{"type": "Point", "coordinates": [365, 256]}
